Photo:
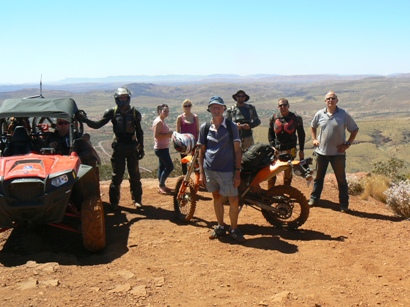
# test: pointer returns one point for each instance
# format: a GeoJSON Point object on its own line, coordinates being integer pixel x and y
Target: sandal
{"type": "Point", "coordinates": [162, 191]}
{"type": "Point", "coordinates": [168, 190]}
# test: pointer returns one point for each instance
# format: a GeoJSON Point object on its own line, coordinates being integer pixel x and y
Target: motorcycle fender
{"type": "Point", "coordinates": [272, 170]}
{"type": "Point", "coordinates": [186, 159]}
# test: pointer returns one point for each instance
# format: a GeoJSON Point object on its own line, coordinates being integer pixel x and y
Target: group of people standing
{"type": "Point", "coordinates": [222, 141]}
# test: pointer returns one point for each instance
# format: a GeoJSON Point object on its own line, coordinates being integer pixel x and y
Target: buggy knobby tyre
{"type": "Point", "coordinates": [185, 204]}
{"type": "Point", "coordinates": [291, 205]}
{"type": "Point", "coordinates": [93, 224]}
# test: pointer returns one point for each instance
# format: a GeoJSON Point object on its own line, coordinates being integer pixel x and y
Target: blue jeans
{"type": "Point", "coordinates": [165, 166]}
{"type": "Point", "coordinates": [338, 164]}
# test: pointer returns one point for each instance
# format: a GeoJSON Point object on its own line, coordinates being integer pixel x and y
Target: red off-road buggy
{"type": "Point", "coordinates": [38, 186]}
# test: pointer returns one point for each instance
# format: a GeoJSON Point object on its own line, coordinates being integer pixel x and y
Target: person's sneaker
{"type": "Point", "coordinates": [219, 231]}
{"type": "Point", "coordinates": [236, 235]}
{"type": "Point", "coordinates": [312, 202]}
{"type": "Point", "coordinates": [138, 205]}
{"type": "Point", "coordinates": [113, 207]}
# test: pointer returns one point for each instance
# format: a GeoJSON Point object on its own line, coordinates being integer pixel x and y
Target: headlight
{"type": "Point", "coordinates": [60, 180]}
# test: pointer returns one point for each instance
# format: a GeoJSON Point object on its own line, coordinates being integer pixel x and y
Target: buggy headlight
{"type": "Point", "coordinates": [60, 180]}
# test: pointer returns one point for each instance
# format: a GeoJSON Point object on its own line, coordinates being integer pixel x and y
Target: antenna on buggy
{"type": "Point", "coordinates": [41, 90]}
{"type": "Point", "coordinates": [41, 86]}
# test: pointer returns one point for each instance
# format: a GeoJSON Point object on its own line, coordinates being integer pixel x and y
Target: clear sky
{"type": "Point", "coordinates": [99, 38]}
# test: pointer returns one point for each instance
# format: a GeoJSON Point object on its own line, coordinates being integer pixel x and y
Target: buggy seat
{"type": "Point", "coordinates": [20, 143]}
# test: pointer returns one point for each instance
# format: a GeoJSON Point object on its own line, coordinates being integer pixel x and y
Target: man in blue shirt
{"type": "Point", "coordinates": [219, 162]}
{"type": "Point", "coordinates": [331, 146]}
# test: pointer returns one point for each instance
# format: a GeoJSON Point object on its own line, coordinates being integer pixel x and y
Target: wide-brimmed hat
{"type": "Point", "coordinates": [243, 92]}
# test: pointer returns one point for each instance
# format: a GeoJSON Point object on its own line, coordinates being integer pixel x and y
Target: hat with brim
{"type": "Point", "coordinates": [243, 92]}
{"type": "Point", "coordinates": [216, 100]}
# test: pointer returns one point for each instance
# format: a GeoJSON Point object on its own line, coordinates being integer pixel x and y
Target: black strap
{"type": "Point", "coordinates": [228, 125]}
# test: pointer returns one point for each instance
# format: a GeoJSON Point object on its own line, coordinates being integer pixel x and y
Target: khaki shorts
{"type": "Point", "coordinates": [223, 182]}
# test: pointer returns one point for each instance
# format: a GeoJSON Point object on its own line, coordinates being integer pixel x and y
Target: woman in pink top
{"type": "Point", "coordinates": [162, 134]}
{"type": "Point", "coordinates": [187, 122]}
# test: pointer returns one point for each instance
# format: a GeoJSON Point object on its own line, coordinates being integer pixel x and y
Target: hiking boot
{"type": "Point", "coordinates": [312, 202]}
{"type": "Point", "coordinates": [344, 209]}
{"type": "Point", "coordinates": [237, 235]}
{"type": "Point", "coordinates": [219, 231]}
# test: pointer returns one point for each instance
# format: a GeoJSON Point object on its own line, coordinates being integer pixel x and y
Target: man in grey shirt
{"type": "Point", "coordinates": [331, 146]}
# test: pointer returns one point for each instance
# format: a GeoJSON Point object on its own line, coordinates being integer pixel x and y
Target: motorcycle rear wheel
{"type": "Point", "coordinates": [185, 207]}
{"type": "Point", "coordinates": [292, 205]}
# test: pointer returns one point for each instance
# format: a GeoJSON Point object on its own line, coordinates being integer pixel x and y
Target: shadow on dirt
{"type": "Point", "coordinates": [274, 242]}
{"type": "Point", "coordinates": [45, 243]}
{"type": "Point", "coordinates": [336, 207]}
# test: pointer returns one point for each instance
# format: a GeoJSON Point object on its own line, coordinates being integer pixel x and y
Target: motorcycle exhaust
{"type": "Point", "coordinates": [258, 203]}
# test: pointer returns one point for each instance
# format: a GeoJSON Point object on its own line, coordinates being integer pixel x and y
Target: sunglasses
{"type": "Point", "coordinates": [187, 105]}
{"type": "Point", "coordinates": [62, 123]}
{"type": "Point", "coordinates": [240, 96]}
{"type": "Point", "coordinates": [283, 105]}
{"type": "Point", "coordinates": [330, 98]}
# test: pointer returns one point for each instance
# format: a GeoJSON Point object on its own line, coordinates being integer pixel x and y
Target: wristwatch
{"type": "Point", "coordinates": [348, 143]}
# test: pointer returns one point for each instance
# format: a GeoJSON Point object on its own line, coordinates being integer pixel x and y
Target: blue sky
{"type": "Point", "coordinates": [76, 39]}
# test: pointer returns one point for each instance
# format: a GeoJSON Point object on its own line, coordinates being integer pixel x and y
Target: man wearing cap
{"type": "Point", "coordinates": [128, 145]}
{"type": "Point", "coordinates": [245, 117]}
{"type": "Point", "coordinates": [219, 163]}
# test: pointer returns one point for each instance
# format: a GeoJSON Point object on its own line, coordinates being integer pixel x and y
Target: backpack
{"type": "Point", "coordinates": [256, 157]}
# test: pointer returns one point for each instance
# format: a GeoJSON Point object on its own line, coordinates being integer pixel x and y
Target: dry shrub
{"type": "Point", "coordinates": [375, 186]}
{"type": "Point", "coordinates": [355, 183]}
{"type": "Point", "coordinates": [398, 198]}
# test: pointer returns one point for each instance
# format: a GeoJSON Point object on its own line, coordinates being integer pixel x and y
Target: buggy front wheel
{"type": "Point", "coordinates": [93, 224]}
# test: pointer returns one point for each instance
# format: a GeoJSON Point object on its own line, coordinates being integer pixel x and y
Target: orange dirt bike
{"type": "Point", "coordinates": [283, 207]}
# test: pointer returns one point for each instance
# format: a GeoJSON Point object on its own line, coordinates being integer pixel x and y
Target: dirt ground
{"type": "Point", "coordinates": [151, 259]}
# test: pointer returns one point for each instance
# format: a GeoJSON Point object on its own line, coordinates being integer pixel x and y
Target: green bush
{"type": "Point", "coordinates": [105, 172]}
{"type": "Point", "coordinates": [390, 169]}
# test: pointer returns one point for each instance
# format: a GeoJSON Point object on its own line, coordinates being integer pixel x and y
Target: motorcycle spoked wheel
{"type": "Point", "coordinates": [185, 207]}
{"type": "Point", "coordinates": [292, 206]}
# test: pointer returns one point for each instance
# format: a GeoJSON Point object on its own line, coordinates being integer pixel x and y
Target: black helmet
{"type": "Point", "coordinates": [120, 92]}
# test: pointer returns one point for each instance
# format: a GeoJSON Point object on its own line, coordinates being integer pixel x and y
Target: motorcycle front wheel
{"type": "Point", "coordinates": [185, 204]}
{"type": "Point", "coordinates": [291, 207]}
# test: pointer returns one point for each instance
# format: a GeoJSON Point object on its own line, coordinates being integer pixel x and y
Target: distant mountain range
{"type": "Point", "coordinates": [87, 84]}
